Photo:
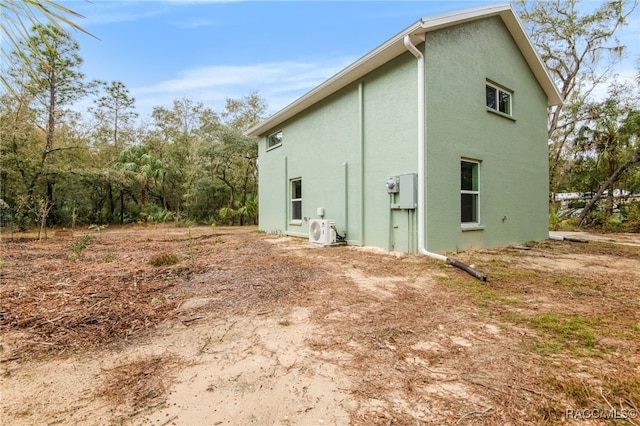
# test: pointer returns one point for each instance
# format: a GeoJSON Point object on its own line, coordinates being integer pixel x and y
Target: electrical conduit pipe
{"type": "Point", "coordinates": [422, 141]}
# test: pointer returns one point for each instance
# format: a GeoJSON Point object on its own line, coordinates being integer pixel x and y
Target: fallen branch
{"type": "Point", "coordinates": [169, 421]}
{"type": "Point", "coordinates": [145, 408]}
{"type": "Point", "coordinates": [188, 320]}
{"type": "Point", "coordinates": [230, 327]}
{"type": "Point", "coordinates": [474, 414]}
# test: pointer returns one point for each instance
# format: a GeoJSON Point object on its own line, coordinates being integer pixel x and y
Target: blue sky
{"type": "Point", "coordinates": [207, 51]}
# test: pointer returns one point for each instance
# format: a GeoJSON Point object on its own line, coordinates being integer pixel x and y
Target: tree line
{"type": "Point", "coordinates": [594, 146]}
{"type": "Point", "coordinates": [63, 168]}
{"type": "Point", "coordinates": [190, 163]}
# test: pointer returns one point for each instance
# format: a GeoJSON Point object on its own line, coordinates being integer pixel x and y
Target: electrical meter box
{"type": "Point", "coordinates": [408, 191]}
{"type": "Point", "coordinates": [392, 184]}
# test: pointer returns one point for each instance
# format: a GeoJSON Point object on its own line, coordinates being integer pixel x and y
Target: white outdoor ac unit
{"type": "Point", "coordinates": [322, 231]}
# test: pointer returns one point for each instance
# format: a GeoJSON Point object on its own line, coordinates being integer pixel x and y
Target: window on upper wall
{"type": "Point", "coordinates": [296, 200]}
{"type": "Point", "coordinates": [469, 192]}
{"type": "Point", "coordinates": [274, 139]}
{"type": "Point", "coordinates": [499, 99]}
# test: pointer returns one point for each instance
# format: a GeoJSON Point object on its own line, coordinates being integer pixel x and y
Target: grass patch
{"type": "Point", "coordinates": [501, 270]}
{"type": "Point", "coordinates": [573, 332]}
{"type": "Point", "coordinates": [576, 287]}
{"type": "Point", "coordinates": [575, 389]}
{"type": "Point", "coordinates": [510, 301]}
{"type": "Point", "coordinates": [479, 291]}
{"type": "Point", "coordinates": [620, 392]}
{"type": "Point", "coordinates": [164, 259]}
{"type": "Point", "coordinates": [624, 389]}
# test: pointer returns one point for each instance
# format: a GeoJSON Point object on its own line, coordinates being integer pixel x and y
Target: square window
{"type": "Point", "coordinates": [469, 192]}
{"type": "Point", "coordinates": [498, 99]}
{"type": "Point", "coordinates": [296, 199]}
{"type": "Point", "coordinates": [274, 140]}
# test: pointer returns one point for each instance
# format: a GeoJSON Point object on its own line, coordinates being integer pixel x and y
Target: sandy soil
{"type": "Point", "coordinates": [247, 328]}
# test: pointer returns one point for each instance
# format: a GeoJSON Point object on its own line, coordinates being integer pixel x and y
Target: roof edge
{"type": "Point", "coordinates": [395, 47]}
{"type": "Point", "coordinates": [369, 62]}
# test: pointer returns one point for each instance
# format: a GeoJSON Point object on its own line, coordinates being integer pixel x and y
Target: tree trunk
{"type": "Point", "coordinates": [112, 206]}
{"type": "Point", "coordinates": [232, 194]}
{"type": "Point", "coordinates": [609, 204]}
{"type": "Point", "coordinates": [143, 197]}
{"type": "Point", "coordinates": [49, 199]}
{"type": "Point", "coordinates": [609, 183]}
{"type": "Point", "coordinates": [121, 207]}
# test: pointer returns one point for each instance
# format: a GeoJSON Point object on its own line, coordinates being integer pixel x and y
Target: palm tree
{"type": "Point", "coordinates": [141, 166]}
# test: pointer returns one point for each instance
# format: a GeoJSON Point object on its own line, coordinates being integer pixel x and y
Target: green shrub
{"type": "Point", "coordinates": [78, 248]}
{"type": "Point", "coordinates": [554, 217]}
{"type": "Point", "coordinates": [613, 223]}
{"type": "Point", "coordinates": [632, 222]}
{"type": "Point", "coordinates": [164, 259]}
{"type": "Point", "coordinates": [570, 224]}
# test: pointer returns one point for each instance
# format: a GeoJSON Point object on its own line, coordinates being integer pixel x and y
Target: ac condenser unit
{"type": "Point", "coordinates": [322, 232]}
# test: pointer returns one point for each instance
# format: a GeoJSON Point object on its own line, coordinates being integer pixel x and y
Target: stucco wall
{"type": "Point", "coordinates": [316, 145]}
{"type": "Point", "coordinates": [390, 130]}
{"type": "Point", "coordinates": [513, 153]}
{"type": "Point", "coordinates": [375, 119]}
{"type": "Point", "coordinates": [324, 146]}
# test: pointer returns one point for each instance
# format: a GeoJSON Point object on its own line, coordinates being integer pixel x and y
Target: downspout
{"type": "Point", "coordinates": [286, 195]}
{"type": "Point", "coordinates": [422, 142]}
{"type": "Point", "coordinates": [345, 167]}
{"type": "Point", "coordinates": [361, 158]}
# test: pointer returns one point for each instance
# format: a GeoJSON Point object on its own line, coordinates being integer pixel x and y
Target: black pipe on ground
{"type": "Point", "coordinates": [468, 269]}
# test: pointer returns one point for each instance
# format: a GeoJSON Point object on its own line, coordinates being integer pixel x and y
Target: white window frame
{"type": "Point", "coordinates": [498, 90]}
{"type": "Point", "coordinates": [277, 137]}
{"type": "Point", "coordinates": [293, 199]}
{"type": "Point", "coordinates": [475, 224]}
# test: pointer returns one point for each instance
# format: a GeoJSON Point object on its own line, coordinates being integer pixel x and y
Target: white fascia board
{"type": "Point", "coordinates": [436, 22]}
{"type": "Point", "coordinates": [395, 47]}
{"type": "Point", "coordinates": [371, 61]}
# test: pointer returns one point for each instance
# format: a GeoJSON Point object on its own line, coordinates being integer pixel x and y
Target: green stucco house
{"type": "Point", "coordinates": [435, 141]}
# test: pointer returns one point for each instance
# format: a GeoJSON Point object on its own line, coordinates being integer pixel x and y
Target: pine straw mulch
{"type": "Point", "coordinates": [422, 343]}
{"type": "Point", "coordinates": [139, 385]}
{"type": "Point", "coordinates": [428, 344]}
{"type": "Point", "coordinates": [418, 354]}
{"type": "Point", "coordinates": [56, 300]}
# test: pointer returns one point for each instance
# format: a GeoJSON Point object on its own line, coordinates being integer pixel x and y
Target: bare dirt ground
{"type": "Point", "coordinates": [161, 325]}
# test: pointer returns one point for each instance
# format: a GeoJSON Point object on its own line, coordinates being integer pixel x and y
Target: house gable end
{"type": "Point", "coordinates": [395, 47]}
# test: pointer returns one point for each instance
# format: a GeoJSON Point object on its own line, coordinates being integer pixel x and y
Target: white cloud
{"type": "Point", "coordinates": [108, 12]}
{"type": "Point", "coordinates": [280, 83]}
{"type": "Point", "coordinates": [196, 23]}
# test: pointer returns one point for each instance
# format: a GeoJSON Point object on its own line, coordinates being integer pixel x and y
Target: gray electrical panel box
{"type": "Point", "coordinates": [407, 194]}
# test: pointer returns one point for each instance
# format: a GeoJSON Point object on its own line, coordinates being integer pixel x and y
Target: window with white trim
{"type": "Point", "coordinates": [274, 139]}
{"type": "Point", "coordinates": [296, 200]}
{"type": "Point", "coordinates": [469, 192]}
{"type": "Point", "coordinates": [499, 99]}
